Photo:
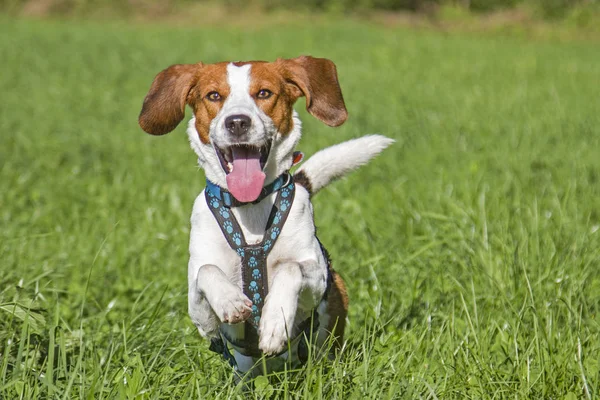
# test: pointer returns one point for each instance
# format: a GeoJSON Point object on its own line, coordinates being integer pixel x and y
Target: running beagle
{"type": "Point", "coordinates": [259, 280]}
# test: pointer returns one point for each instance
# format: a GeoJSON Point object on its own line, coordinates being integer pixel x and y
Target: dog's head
{"type": "Point", "coordinates": [244, 128]}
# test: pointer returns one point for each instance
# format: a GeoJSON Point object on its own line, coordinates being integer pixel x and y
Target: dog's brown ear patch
{"type": "Point", "coordinates": [164, 105]}
{"type": "Point", "coordinates": [316, 79]}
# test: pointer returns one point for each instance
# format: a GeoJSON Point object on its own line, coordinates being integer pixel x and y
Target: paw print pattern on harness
{"type": "Point", "coordinates": [256, 299]}
{"type": "Point", "coordinates": [275, 233]}
{"type": "Point", "coordinates": [237, 238]}
{"type": "Point", "coordinates": [252, 262]}
{"type": "Point", "coordinates": [224, 212]}
{"type": "Point", "coordinates": [267, 245]}
{"type": "Point", "coordinates": [241, 252]}
{"type": "Point", "coordinates": [284, 205]}
{"type": "Point", "coordinates": [253, 287]}
{"type": "Point", "coordinates": [277, 218]}
{"type": "Point", "coordinates": [256, 274]}
{"type": "Point", "coordinates": [228, 226]}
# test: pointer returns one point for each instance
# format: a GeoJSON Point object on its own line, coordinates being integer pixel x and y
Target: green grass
{"type": "Point", "coordinates": [471, 248]}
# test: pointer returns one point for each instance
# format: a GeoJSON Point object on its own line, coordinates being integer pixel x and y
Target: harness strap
{"type": "Point", "coordinates": [253, 257]}
{"type": "Point", "coordinates": [219, 346]}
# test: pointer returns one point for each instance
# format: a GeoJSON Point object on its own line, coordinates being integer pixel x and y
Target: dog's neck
{"type": "Point", "coordinates": [252, 216]}
{"type": "Point", "coordinates": [229, 199]}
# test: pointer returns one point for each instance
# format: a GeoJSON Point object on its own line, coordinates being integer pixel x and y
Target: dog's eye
{"type": "Point", "coordinates": [213, 96]}
{"type": "Point", "coordinates": [264, 94]}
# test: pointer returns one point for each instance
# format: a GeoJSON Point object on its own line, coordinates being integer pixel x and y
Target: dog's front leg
{"type": "Point", "coordinates": [213, 299]}
{"type": "Point", "coordinates": [292, 282]}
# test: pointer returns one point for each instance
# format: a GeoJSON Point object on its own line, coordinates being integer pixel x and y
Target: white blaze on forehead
{"type": "Point", "coordinates": [246, 177]}
{"type": "Point", "coordinates": [238, 79]}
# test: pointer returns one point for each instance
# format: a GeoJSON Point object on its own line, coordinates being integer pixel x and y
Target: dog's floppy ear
{"type": "Point", "coordinates": [164, 105]}
{"type": "Point", "coordinates": [316, 79]}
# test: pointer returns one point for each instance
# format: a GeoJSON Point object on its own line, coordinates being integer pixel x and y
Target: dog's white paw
{"type": "Point", "coordinates": [233, 307]}
{"type": "Point", "coordinates": [273, 336]}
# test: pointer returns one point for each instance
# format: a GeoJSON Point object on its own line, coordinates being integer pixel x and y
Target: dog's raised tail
{"type": "Point", "coordinates": [332, 163]}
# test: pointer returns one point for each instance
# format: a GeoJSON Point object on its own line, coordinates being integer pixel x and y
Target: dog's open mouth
{"type": "Point", "coordinates": [243, 164]}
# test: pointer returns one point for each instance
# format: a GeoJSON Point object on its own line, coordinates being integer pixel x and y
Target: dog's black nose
{"type": "Point", "coordinates": [238, 124]}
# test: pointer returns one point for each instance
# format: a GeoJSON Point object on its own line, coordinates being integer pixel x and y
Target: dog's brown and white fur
{"type": "Point", "coordinates": [265, 93]}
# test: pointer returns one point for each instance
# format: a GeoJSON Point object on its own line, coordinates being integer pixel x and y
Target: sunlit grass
{"type": "Point", "coordinates": [470, 248]}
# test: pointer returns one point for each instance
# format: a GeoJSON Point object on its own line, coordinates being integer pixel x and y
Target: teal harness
{"type": "Point", "coordinates": [253, 257]}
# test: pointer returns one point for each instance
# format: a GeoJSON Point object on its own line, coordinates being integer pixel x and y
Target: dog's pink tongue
{"type": "Point", "coordinates": [246, 179]}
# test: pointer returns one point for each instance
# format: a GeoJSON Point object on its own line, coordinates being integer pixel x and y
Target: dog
{"type": "Point", "coordinates": [259, 280]}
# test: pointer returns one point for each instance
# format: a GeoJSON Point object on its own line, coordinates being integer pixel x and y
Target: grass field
{"type": "Point", "coordinates": [471, 248]}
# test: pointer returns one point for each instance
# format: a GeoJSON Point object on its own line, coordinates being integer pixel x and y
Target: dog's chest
{"type": "Point", "coordinates": [253, 221]}
{"type": "Point", "coordinates": [296, 241]}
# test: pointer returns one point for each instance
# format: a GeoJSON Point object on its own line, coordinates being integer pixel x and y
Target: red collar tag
{"type": "Point", "coordinates": [298, 157]}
